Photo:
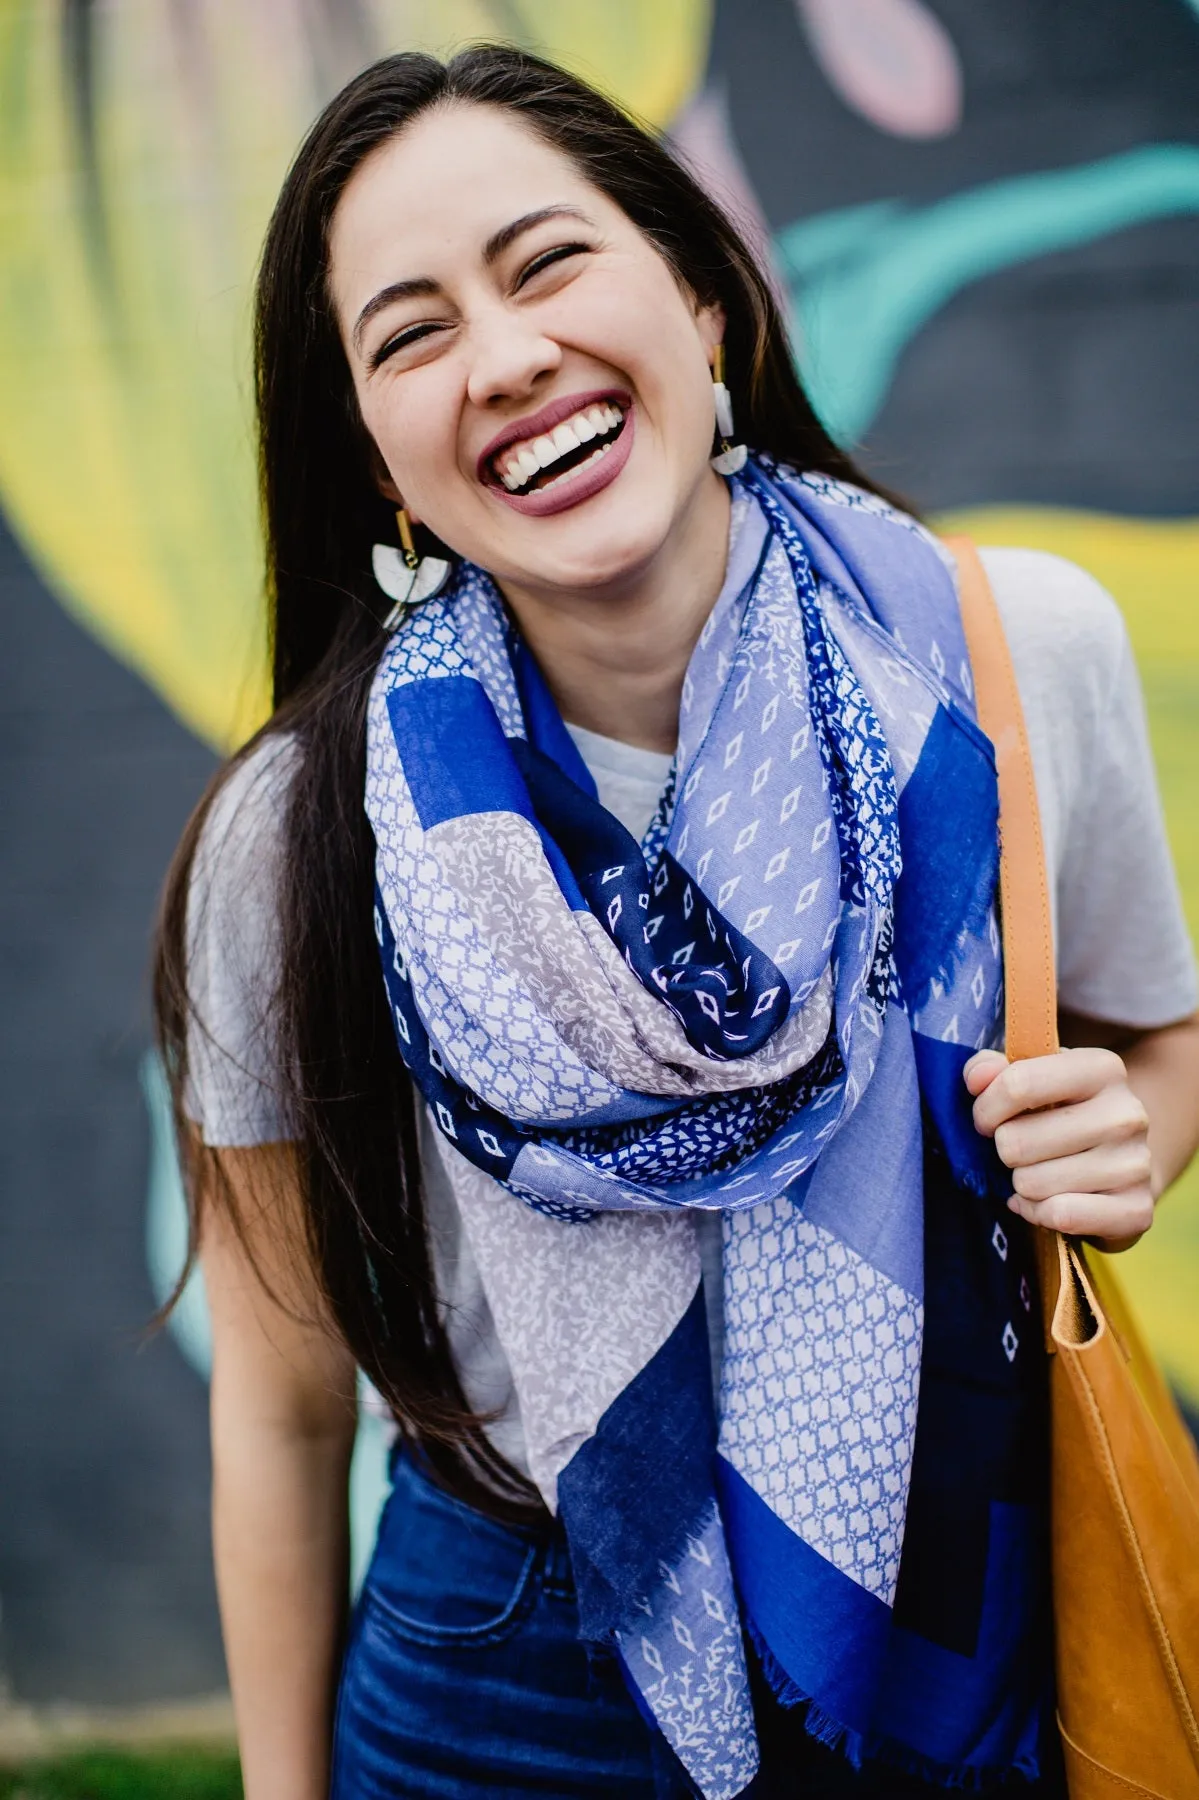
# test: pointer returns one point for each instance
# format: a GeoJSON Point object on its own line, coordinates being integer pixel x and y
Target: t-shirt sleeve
{"type": "Point", "coordinates": [233, 1091]}
{"type": "Point", "coordinates": [1123, 950]}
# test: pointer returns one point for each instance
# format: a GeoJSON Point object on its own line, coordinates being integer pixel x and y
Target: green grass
{"type": "Point", "coordinates": [126, 1775]}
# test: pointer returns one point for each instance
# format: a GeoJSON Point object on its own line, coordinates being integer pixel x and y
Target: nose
{"type": "Point", "coordinates": [510, 358]}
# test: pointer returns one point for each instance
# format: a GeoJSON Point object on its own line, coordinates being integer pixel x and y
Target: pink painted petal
{"type": "Point", "coordinates": [703, 135]}
{"type": "Point", "coordinates": [891, 60]}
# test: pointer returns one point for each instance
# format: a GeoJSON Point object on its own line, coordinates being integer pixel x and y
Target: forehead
{"type": "Point", "coordinates": [427, 199]}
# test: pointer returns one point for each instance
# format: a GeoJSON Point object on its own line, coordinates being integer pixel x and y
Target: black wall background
{"type": "Point", "coordinates": [106, 1590]}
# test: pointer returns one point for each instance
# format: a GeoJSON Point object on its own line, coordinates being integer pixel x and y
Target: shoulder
{"type": "Point", "coordinates": [241, 839]}
{"type": "Point", "coordinates": [1065, 631]}
{"type": "Point", "coordinates": [234, 950]}
{"type": "Point", "coordinates": [249, 806]}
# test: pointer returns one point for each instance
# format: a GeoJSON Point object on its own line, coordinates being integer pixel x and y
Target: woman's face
{"type": "Point", "coordinates": [537, 382]}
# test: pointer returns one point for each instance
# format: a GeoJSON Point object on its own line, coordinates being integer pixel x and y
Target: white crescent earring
{"type": "Point", "coordinates": [404, 576]}
{"type": "Point", "coordinates": [732, 456]}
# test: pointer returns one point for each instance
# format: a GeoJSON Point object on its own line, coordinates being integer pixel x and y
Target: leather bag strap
{"type": "Point", "coordinates": [1029, 974]}
{"type": "Point", "coordinates": [1125, 1484]}
{"type": "Point", "coordinates": [1029, 969]}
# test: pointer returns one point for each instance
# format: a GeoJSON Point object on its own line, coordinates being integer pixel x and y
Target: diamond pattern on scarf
{"type": "Point", "coordinates": [729, 998]}
{"type": "Point", "coordinates": [890, 681]}
{"type": "Point", "coordinates": [804, 710]}
{"type": "Point", "coordinates": [969, 1011]}
{"type": "Point", "coordinates": [654, 841]}
{"type": "Point", "coordinates": [852, 745]}
{"type": "Point", "coordinates": [821, 1373]}
{"type": "Point", "coordinates": [753, 827]}
{"type": "Point", "coordinates": [835, 492]}
{"type": "Point", "coordinates": [487, 641]}
{"type": "Point", "coordinates": [428, 646]}
{"type": "Point", "coordinates": [708, 673]}
{"type": "Point", "coordinates": [951, 668]}
{"type": "Point", "coordinates": [706, 1136]}
{"type": "Point", "coordinates": [684, 1652]}
{"type": "Point", "coordinates": [488, 1029]}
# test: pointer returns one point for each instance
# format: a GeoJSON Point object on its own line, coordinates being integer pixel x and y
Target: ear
{"type": "Point", "coordinates": [710, 322]}
{"type": "Point", "coordinates": [384, 483]}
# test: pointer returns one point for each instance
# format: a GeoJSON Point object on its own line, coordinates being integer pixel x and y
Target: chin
{"type": "Point", "coordinates": [603, 555]}
{"type": "Point", "coordinates": [597, 575]}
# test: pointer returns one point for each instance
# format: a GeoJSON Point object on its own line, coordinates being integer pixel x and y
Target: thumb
{"type": "Point", "coordinates": [982, 1069]}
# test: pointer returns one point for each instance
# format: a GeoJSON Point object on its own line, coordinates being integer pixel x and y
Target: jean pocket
{"type": "Point", "coordinates": [443, 1573]}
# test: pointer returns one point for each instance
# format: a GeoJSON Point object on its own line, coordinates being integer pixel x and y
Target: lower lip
{"type": "Point", "coordinates": [572, 490]}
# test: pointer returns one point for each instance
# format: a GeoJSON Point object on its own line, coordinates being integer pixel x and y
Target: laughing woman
{"type": "Point", "coordinates": [582, 999]}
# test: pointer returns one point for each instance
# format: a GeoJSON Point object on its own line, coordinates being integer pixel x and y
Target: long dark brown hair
{"type": "Point", "coordinates": [346, 1092]}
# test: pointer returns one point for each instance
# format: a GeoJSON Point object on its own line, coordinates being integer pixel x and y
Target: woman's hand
{"type": "Point", "coordinates": [1076, 1138]}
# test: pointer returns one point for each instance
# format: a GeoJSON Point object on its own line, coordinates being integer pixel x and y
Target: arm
{"type": "Point", "coordinates": [282, 1407]}
{"type": "Point", "coordinates": [1094, 1135]}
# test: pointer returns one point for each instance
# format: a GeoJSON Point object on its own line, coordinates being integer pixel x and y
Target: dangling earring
{"type": "Point", "coordinates": [732, 456]}
{"type": "Point", "coordinates": [404, 526]}
{"type": "Point", "coordinates": [404, 576]}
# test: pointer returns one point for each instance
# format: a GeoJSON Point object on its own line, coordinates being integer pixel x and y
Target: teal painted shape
{"type": "Point", "coordinates": [370, 1485]}
{"type": "Point", "coordinates": [865, 279]}
{"type": "Point", "coordinates": [189, 1324]}
{"type": "Point", "coordinates": [167, 1227]}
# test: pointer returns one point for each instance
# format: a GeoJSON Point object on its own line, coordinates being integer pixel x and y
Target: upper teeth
{"type": "Point", "coordinates": [518, 463]}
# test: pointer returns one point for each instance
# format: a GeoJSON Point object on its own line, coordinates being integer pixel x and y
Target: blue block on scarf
{"type": "Point", "coordinates": [949, 829]}
{"type": "Point", "coordinates": [455, 757]}
{"type": "Point", "coordinates": [825, 1635]}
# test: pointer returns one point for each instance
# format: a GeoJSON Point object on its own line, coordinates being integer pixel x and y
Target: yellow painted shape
{"type": "Point", "coordinates": [126, 456]}
{"type": "Point", "coordinates": [648, 54]}
{"type": "Point", "coordinates": [1151, 566]}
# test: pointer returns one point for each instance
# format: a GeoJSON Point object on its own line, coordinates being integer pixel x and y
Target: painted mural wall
{"type": "Point", "coordinates": [983, 216]}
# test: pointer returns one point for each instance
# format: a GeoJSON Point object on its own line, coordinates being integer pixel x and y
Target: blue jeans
{"type": "Point", "coordinates": [464, 1679]}
{"type": "Point", "coordinates": [464, 1676]}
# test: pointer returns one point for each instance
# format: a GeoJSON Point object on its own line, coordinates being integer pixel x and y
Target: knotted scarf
{"type": "Point", "coordinates": [762, 1009]}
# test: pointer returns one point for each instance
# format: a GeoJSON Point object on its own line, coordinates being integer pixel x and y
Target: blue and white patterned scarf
{"type": "Point", "coordinates": [762, 1009]}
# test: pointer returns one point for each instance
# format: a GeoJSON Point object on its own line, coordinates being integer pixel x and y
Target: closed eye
{"type": "Point", "coordinates": [557, 254]}
{"type": "Point", "coordinates": [412, 334]}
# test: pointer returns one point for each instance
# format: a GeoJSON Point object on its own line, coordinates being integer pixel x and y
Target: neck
{"type": "Point", "coordinates": [615, 658]}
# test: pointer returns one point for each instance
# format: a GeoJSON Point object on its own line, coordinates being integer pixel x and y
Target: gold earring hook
{"type": "Point", "coordinates": [404, 526]}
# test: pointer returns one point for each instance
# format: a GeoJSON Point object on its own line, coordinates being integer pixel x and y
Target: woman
{"type": "Point", "coordinates": [618, 1053]}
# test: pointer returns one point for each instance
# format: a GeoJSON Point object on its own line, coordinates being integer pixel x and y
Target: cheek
{"type": "Point", "coordinates": [669, 364]}
{"type": "Point", "coordinates": [406, 421]}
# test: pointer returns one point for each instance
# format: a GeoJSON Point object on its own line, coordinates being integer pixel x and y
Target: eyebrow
{"type": "Point", "coordinates": [423, 286]}
{"type": "Point", "coordinates": [500, 240]}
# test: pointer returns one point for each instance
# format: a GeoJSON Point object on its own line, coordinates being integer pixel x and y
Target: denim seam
{"type": "Point", "coordinates": [491, 1632]}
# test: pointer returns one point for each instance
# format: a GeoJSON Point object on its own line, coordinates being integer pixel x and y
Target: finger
{"type": "Point", "coordinates": [1112, 1217]}
{"type": "Point", "coordinates": [1070, 1076]}
{"type": "Point", "coordinates": [1111, 1169]}
{"type": "Point", "coordinates": [1111, 1117]}
{"type": "Point", "coordinates": [982, 1069]}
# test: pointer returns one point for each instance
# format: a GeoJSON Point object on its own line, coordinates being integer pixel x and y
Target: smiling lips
{"type": "Point", "coordinates": [517, 466]}
{"type": "Point", "coordinates": [561, 455]}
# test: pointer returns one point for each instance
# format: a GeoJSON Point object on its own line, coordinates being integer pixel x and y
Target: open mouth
{"type": "Point", "coordinates": [586, 437]}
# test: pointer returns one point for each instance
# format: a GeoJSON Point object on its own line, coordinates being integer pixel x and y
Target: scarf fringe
{"type": "Point", "coordinates": [861, 1747]}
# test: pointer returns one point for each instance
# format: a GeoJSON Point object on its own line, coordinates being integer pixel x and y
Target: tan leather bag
{"type": "Point", "coordinates": [1124, 1472]}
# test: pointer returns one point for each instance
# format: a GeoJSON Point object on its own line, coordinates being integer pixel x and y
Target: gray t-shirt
{"type": "Point", "coordinates": [1123, 953]}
